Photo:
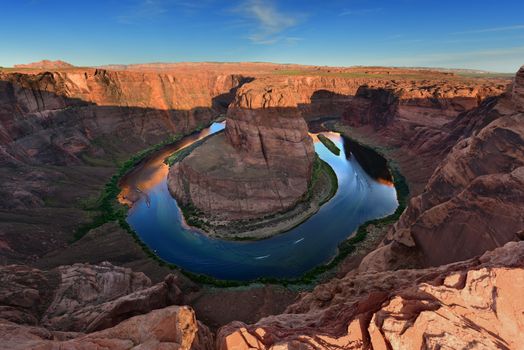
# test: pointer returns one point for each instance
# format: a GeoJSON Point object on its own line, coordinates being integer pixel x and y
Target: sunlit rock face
{"type": "Point", "coordinates": [260, 165]}
{"type": "Point", "coordinates": [69, 116]}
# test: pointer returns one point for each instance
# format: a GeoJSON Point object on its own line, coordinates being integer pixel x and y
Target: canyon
{"type": "Point", "coordinates": [444, 275]}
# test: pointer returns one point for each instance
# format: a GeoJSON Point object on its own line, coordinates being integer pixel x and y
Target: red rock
{"type": "Point", "coordinates": [261, 165]}
{"type": "Point", "coordinates": [372, 106]}
{"type": "Point", "coordinates": [173, 327]}
{"type": "Point", "coordinates": [45, 64]}
{"type": "Point", "coordinates": [474, 303]}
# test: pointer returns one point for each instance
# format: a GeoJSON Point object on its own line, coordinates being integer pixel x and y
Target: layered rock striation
{"type": "Point", "coordinates": [261, 165]}
{"type": "Point", "coordinates": [473, 201]}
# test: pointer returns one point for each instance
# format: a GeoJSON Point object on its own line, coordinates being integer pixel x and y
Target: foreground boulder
{"type": "Point", "coordinates": [261, 165]}
{"type": "Point", "coordinates": [81, 297]}
{"type": "Point", "coordinates": [174, 327]}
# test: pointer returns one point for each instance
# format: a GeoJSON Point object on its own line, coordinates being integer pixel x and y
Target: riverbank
{"type": "Point", "coordinates": [322, 188]}
{"type": "Point", "coordinates": [307, 280]}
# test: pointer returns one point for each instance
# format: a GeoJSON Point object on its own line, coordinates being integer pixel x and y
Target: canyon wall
{"type": "Point", "coordinates": [473, 201]}
{"type": "Point", "coordinates": [70, 117]}
{"type": "Point", "coordinates": [63, 134]}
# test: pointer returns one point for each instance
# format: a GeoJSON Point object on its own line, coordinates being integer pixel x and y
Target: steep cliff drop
{"type": "Point", "coordinates": [473, 201]}
{"type": "Point", "coordinates": [260, 166]}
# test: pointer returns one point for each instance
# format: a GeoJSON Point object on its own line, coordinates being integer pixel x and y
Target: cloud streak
{"type": "Point", "coordinates": [143, 10]}
{"type": "Point", "coordinates": [269, 21]}
{"type": "Point", "coordinates": [359, 12]}
{"type": "Point", "coordinates": [492, 30]}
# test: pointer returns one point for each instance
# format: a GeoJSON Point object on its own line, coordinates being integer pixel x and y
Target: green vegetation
{"type": "Point", "coordinates": [330, 145]}
{"type": "Point", "coordinates": [107, 208]}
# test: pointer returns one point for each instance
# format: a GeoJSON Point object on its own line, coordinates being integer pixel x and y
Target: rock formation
{"type": "Point", "coordinates": [372, 106]}
{"type": "Point", "coordinates": [62, 132]}
{"type": "Point", "coordinates": [472, 304]}
{"type": "Point", "coordinates": [473, 201]}
{"type": "Point", "coordinates": [81, 297]}
{"type": "Point", "coordinates": [45, 64]}
{"type": "Point", "coordinates": [518, 90]}
{"type": "Point", "coordinates": [260, 166]}
{"type": "Point", "coordinates": [171, 328]}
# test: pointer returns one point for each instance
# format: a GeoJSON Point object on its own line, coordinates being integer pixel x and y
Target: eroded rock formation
{"type": "Point", "coordinates": [45, 64]}
{"type": "Point", "coordinates": [171, 328]}
{"type": "Point", "coordinates": [377, 107]}
{"type": "Point", "coordinates": [260, 166]}
{"type": "Point", "coordinates": [81, 297]}
{"type": "Point", "coordinates": [472, 304]}
{"type": "Point", "coordinates": [473, 202]}
{"type": "Point", "coordinates": [472, 165]}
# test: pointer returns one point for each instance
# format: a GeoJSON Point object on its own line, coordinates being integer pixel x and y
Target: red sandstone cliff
{"type": "Point", "coordinates": [57, 117]}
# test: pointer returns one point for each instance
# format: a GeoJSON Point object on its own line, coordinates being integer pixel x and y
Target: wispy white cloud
{"type": "Point", "coordinates": [357, 12]}
{"type": "Point", "coordinates": [492, 30]}
{"type": "Point", "coordinates": [269, 22]}
{"type": "Point", "coordinates": [143, 10]}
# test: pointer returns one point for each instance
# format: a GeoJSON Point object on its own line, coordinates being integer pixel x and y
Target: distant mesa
{"type": "Point", "coordinates": [45, 64]}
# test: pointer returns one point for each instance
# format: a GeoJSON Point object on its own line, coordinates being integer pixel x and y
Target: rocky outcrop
{"type": "Point", "coordinates": [174, 327]}
{"type": "Point", "coordinates": [376, 107]}
{"type": "Point", "coordinates": [260, 166]}
{"type": "Point", "coordinates": [465, 305]}
{"type": "Point", "coordinates": [81, 297]}
{"type": "Point", "coordinates": [474, 200]}
{"type": "Point", "coordinates": [45, 64]}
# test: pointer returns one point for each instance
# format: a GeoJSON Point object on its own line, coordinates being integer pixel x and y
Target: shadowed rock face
{"type": "Point", "coordinates": [261, 165]}
{"type": "Point", "coordinates": [372, 106]}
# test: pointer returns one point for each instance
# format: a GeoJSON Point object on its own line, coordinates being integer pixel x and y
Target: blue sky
{"type": "Point", "coordinates": [463, 34]}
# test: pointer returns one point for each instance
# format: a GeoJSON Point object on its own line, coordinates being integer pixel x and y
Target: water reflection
{"type": "Point", "coordinates": [155, 216]}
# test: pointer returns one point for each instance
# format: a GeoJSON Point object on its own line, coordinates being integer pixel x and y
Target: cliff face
{"type": "Point", "coordinates": [261, 165]}
{"type": "Point", "coordinates": [376, 107]}
{"type": "Point", "coordinates": [473, 201]}
{"type": "Point", "coordinates": [56, 118]}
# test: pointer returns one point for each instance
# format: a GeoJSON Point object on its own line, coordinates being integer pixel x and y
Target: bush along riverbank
{"type": "Point", "coordinates": [330, 145]}
{"type": "Point", "coordinates": [110, 210]}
